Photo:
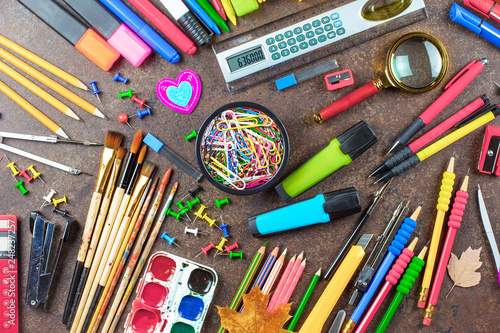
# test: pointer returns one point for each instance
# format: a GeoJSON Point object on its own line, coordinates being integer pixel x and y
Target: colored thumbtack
{"type": "Point", "coordinates": [21, 187]}
{"type": "Point", "coordinates": [95, 91]}
{"type": "Point", "coordinates": [184, 211]}
{"type": "Point", "coordinates": [58, 201]}
{"type": "Point", "coordinates": [141, 102]}
{"type": "Point", "coordinates": [119, 78]}
{"type": "Point", "coordinates": [129, 93]}
{"type": "Point", "coordinates": [232, 247]}
{"type": "Point", "coordinates": [235, 255]}
{"type": "Point", "coordinates": [146, 112]}
{"type": "Point", "coordinates": [194, 231]}
{"type": "Point", "coordinates": [221, 244]}
{"type": "Point", "coordinates": [206, 249]}
{"type": "Point", "coordinates": [219, 203]}
{"type": "Point", "coordinates": [170, 240]}
{"type": "Point", "coordinates": [191, 204]}
{"type": "Point", "coordinates": [224, 230]}
{"type": "Point", "coordinates": [62, 212]}
{"type": "Point", "coordinates": [190, 136]}
{"type": "Point", "coordinates": [192, 192]}
{"type": "Point", "coordinates": [199, 213]}
{"type": "Point", "coordinates": [12, 167]}
{"type": "Point", "coordinates": [123, 118]}
{"type": "Point", "coordinates": [210, 221]}
{"type": "Point", "coordinates": [35, 173]}
{"type": "Point", "coordinates": [180, 204]}
{"type": "Point", "coordinates": [176, 215]}
{"type": "Point", "coordinates": [25, 175]}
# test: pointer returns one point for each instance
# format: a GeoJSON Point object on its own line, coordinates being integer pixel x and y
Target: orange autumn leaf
{"type": "Point", "coordinates": [254, 318]}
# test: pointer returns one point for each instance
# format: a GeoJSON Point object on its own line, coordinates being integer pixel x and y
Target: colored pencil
{"type": "Point", "coordinates": [46, 121]}
{"type": "Point", "coordinates": [38, 91]}
{"type": "Point", "coordinates": [218, 7]}
{"type": "Point", "coordinates": [228, 8]}
{"type": "Point", "coordinates": [247, 279]}
{"type": "Point", "coordinates": [275, 272]}
{"type": "Point", "coordinates": [304, 300]}
{"type": "Point", "coordinates": [289, 279]}
{"type": "Point", "coordinates": [42, 63]}
{"type": "Point", "coordinates": [295, 280]}
{"type": "Point", "coordinates": [281, 284]}
{"type": "Point", "coordinates": [37, 75]}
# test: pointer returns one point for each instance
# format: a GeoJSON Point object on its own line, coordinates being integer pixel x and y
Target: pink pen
{"type": "Point", "coordinates": [281, 284]}
{"type": "Point", "coordinates": [451, 91]}
{"type": "Point", "coordinates": [218, 7]}
{"type": "Point", "coordinates": [488, 8]}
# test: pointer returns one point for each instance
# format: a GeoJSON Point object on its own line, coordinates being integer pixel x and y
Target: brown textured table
{"type": "Point", "coordinates": [466, 310]}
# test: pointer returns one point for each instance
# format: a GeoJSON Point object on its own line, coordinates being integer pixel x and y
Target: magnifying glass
{"type": "Point", "coordinates": [417, 62]}
{"type": "Point", "coordinates": [379, 10]}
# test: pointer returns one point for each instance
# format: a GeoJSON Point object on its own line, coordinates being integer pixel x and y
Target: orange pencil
{"type": "Point", "coordinates": [278, 265]}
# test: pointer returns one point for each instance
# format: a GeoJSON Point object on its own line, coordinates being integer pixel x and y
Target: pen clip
{"type": "Point", "coordinates": [478, 113]}
{"type": "Point", "coordinates": [462, 72]}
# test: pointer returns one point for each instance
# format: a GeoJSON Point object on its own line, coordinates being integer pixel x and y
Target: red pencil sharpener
{"type": "Point", "coordinates": [339, 80]}
{"type": "Point", "coordinates": [488, 160]}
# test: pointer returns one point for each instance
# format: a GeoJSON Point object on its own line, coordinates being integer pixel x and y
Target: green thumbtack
{"type": "Point", "coordinates": [235, 255]}
{"type": "Point", "coordinates": [129, 93]}
{"type": "Point", "coordinates": [219, 203]}
{"type": "Point", "coordinates": [21, 187]}
{"type": "Point", "coordinates": [191, 204]}
{"type": "Point", "coordinates": [191, 135]}
{"type": "Point", "coordinates": [176, 215]}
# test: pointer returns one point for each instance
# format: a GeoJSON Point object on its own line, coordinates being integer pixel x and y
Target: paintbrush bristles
{"type": "Point", "coordinates": [142, 154]}
{"type": "Point", "coordinates": [121, 153]}
{"type": "Point", "coordinates": [113, 140]}
{"type": "Point", "coordinates": [136, 143]}
{"type": "Point", "coordinates": [147, 169]}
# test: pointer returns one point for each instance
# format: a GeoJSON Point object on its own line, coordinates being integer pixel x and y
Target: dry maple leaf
{"type": "Point", "coordinates": [463, 271]}
{"type": "Point", "coordinates": [254, 318]}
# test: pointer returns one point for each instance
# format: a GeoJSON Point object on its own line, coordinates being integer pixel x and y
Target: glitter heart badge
{"type": "Point", "coordinates": [181, 95]}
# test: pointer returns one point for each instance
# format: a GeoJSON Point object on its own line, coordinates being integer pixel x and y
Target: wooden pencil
{"type": "Point", "coordinates": [281, 284]}
{"type": "Point", "coordinates": [275, 272]}
{"type": "Point", "coordinates": [294, 282]}
{"type": "Point", "coordinates": [289, 279]}
{"type": "Point", "coordinates": [42, 63]}
{"type": "Point", "coordinates": [46, 121]}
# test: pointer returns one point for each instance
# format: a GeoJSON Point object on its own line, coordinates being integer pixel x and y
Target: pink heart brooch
{"type": "Point", "coordinates": [181, 95]}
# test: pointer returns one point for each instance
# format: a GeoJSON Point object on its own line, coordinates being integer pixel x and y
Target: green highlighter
{"type": "Point", "coordinates": [340, 152]}
{"type": "Point", "coordinates": [207, 7]}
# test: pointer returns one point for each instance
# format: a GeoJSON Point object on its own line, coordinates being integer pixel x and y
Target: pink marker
{"type": "Point", "coordinates": [281, 284]}
{"type": "Point", "coordinates": [124, 40]}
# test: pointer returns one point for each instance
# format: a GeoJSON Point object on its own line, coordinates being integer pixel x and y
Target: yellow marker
{"type": "Point", "coordinates": [442, 208]}
{"type": "Point", "coordinates": [56, 202]}
{"type": "Point", "coordinates": [228, 8]}
{"type": "Point", "coordinates": [323, 308]}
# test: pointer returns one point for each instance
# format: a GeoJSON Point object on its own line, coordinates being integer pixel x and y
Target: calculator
{"type": "Point", "coordinates": [239, 60]}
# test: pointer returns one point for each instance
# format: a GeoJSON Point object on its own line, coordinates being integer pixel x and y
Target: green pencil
{"type": "Point", "coordinates": [207, 7]}
{"type": "Point", "coordinates": [254, 266]}
{"type": "Point", "coordinates": [304, 301]}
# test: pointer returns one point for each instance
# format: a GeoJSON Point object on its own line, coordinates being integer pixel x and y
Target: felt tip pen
{"type": "Point", "coordinates": [85, 40]}
{"type": "Point", "coordinates": [207, 7]}
{"type": "Point", "coordinates": [143, 30]}
{"type": "Point", "coordinates": [488, 8]}
{"type": "Point", "coordinates": [124, 40]}
{"type": "Point", "coordinates": [339, 152]}
{"type": "Point", "coordinates": [203, 16]}
{"type": "Point", "coordinates": [163, 23]}
{"type": "Point", "coordinates": [463, 17]}
{"type": "Point", "coordinates": [451, 91]}
{"type": "Point", "coordinates": [187, 21]}
{"type": "Point", "coordinates": [320, 209]}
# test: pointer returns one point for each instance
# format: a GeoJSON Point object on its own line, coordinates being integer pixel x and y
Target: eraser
{"type": "Point", "coordinates": [152, 142]}
{"type": "Point", "coordinates": [97, 49]}
{"type": "Point", "coordinates": [286, 82]}
{"type": "Point", "coordinates": [130, 46]}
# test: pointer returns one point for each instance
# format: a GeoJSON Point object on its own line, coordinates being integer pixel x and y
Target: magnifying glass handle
{"type": "Point", "coordinates": [347, 101]}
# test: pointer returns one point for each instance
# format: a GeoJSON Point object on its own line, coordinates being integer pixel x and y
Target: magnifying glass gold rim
{"type": "Point", "coordinates": [390, 57]}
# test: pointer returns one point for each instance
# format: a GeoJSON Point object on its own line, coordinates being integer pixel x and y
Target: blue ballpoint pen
{"type": "Point", "coordinates": [137, 25]}
{"type": "Point", "coordinates": [475, 24]}
{"type": "Point", "coordinates": [397, 245]}
{"type": "Point", "coordinates": [203, 15]}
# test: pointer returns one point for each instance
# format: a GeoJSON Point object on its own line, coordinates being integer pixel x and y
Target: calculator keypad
{"type": "Point", "coordinates": [317, 31]}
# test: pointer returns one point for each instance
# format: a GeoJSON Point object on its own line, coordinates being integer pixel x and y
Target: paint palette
{"type": "Point", "coordinates": [173, 296]}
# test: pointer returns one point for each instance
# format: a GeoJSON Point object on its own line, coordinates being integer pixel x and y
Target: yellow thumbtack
{"type": "Point", "coordinates": [13, 168]}
{"type": "Point", "coordinates": [210, 221]}
{"type": "Point", "coordinates": [56, 202]}
{"type": "Point", "coordinates": [221, 244]}
{"type": "Point", "coordinates": [35, 173]}
{"type": "Point", "coordinates": [199, 213]}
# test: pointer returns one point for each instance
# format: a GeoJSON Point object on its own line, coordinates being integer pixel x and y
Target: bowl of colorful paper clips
{"type": "Point", "coordinates": [242, 148]}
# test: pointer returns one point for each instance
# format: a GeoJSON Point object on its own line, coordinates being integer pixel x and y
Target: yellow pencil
{"type": "Point", "coordinates": [69, 95]}
{"type": "Point", "coordinates": [38, 91]}
{"type": "Point", "coordinates": [42, 63]}
{"type": "Point", "coordinates": [228, 8]}
{"type": "Point", "coordinates": [32, 110]}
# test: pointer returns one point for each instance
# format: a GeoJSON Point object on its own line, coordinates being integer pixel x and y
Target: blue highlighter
{"type": "Point", "coordinates": [137, 25]}
{"type": "Point", "coordinates": [320, 209]}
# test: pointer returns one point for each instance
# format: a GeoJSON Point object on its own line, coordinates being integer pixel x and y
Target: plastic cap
{"type": "Point", "coordinates": [357, 139]}
{"type": "Point", "coordinates": [342, 203]}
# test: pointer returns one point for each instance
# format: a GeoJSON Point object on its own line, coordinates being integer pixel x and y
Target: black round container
{"type": "Point", "coordinates": [253, 190]}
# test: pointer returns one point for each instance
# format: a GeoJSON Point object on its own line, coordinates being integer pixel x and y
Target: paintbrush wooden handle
{"type": "Point", "coordinates": [89, 225]}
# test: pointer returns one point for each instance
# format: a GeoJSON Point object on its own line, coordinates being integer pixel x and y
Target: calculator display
{"type": "Point", "coordinates": [248, 58]}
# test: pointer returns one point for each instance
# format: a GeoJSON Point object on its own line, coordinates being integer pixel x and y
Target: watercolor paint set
{"type": "Point", "coordinates": [173, 296]}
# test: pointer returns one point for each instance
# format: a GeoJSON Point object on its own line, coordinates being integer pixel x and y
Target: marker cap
{"type": "Point", "coordinates": [357, 139]}
{"type": "Point", "coordinates": [342, 203]}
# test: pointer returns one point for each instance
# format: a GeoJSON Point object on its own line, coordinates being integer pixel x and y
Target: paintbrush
{"type": "Point", "coordinates": [97, 288]}
{"type": "Point", "coordinates": [111, 145]}
{"type": "Point", "coordinates": [113, 211]}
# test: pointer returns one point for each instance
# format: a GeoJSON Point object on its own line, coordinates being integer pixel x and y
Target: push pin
{"type": "Point", "coordinates": [200, 211]}
{"type": "Point", "coordinates": [221, 245]}
{"type": "Point", "coordinates": [190, 136]}
{"type": "Point", "coordinates": [25, 175]}
{"type": "Point", "coordinates": [12, 167]}
{"type": "Point", "coordinates": [219, 203]}
{"type": "Point", "coordinates": [174, 214]}
{"type": "Point", "coordinates": [63, 213]}
{"type": "Point", "coordinates": [192, 192]}
{"type": "Point", "coordinates": [56, 202]}
{"type": "Point", "coordinates": [235, 255]}
{"type": "Point", "coordinates": [49, 196]}
{"type": "Point", "coordinates": [141, 102]}
{"type": "Point", "coordinates": [191, 204]}
{"type": "Point", "coordinates": [95, 91]}
{"type": "Point", "coordinates": [21, 187]}
{"type": "Point", "coordinates": [232, 247]}
{"type": "Point", "coordinates": [210, 221]}
{"type": "Point", "coordinates": [120, 78]}
{"type": "Point", "coordinates": [146, 112]}
{"type": "Point", "coordinates": [180, 204]}
{"type": "Point", "coordinates": [184, 211]}
{"type": "Point", "coordinates": [129, 93]}
{"type": "Point", "coordinates": [224, 230]}
{"type": "Point", "coordinates": [194, 231]}
{"type": "Point", "coordinates": [35, 173]}
{"type": "Point", "coordinates": [123, 118]}
{"type": "Point", "coordinates": [206, 249]}
{"type": "Point", "coordinates": [170, 240]}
